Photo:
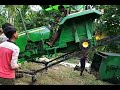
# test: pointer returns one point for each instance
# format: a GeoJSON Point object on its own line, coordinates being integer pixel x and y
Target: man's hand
{"type": "Point", "coordinates": [19, 65]}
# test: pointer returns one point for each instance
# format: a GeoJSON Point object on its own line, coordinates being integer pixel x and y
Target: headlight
{"type": "Point", "coordinates": [85, 44]}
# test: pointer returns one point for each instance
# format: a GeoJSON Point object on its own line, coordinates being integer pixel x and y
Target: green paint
{"type": "Point", "coordinates": [78, 26]}
{"type": "Point", "coordinates": [36, 34]}
{"type": "Point", "coordinates": [94, 14]}
{"type": "Point", "coordinates": [109, 66]}
{"type": "Point", "coordinates": [75, 27]}
{"type": "Point", "coordinates": [55, 7]}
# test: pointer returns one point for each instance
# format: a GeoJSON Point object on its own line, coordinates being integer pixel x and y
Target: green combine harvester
{"type": "Point", "coordinates": [77, 35]}
{"type": "Point", "coordinates": [77, 32]}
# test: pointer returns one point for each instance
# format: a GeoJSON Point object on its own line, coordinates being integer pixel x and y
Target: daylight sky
{"type": "Point", "coordinates": [35, 7]}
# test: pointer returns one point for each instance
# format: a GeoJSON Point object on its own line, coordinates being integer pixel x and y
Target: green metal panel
{"type": "Point", "coordinates": [88, 30]}
{"type": "Point", "coordinates": [76, 27]}
{"type": "Point", "coordinates": [110, 67]}
{"type": "Point", "coordinates": [85, 29]}
{"type": "Point", "coordinates": [77, 37]}
{"type": "Point", "coordinates": [21, 42]}
{"type": "Point", "coordinates": [95, 14]}
{"type": "Point", "coordinates": [39, 34]}
{"type": "Point", "coordinates": [66, 36]}
{"type": "Point", "coordinates": [111, 54]}
{"type": "Point", "coordinates": [36, 34]}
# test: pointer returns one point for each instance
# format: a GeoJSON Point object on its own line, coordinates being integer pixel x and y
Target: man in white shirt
{"type": "Point", "coordinates": [9, 53]}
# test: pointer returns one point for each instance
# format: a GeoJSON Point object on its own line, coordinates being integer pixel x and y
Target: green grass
{"type": "Point", "coordinates": [58, 75]}
{"type": "Point", "coordinates": [74, 60]}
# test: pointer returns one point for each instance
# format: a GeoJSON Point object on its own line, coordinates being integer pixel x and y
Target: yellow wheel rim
{"type": "Point", "coordinates": [85, 44]}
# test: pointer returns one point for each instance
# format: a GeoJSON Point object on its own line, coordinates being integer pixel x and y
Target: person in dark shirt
{"type": "Point", "coordinates": [64, 12]}
{"type": "Point", "coordinates": [57, 34]}
{"type": "Point", "coordinates": [82, 62]}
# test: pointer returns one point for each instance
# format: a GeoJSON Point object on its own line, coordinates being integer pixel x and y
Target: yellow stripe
{"type": "Point", "coordinates": [32, 31]}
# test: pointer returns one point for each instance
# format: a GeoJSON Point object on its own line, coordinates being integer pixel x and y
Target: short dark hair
{"type": "Point", "coordinates": [9, 31]}
{"type": "Point", "coordinates": [5, 25]}
{"type": "Point", "coordinates": [60, 7]}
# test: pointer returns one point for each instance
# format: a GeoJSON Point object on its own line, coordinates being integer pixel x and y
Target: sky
{"type": "Point", "coordinates": [35, 7]}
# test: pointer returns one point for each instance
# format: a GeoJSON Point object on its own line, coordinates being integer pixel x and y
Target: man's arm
{"type": "Point", "coordinates": [66, 12]}
{"type": "Point", "coordinates": [14, 64]}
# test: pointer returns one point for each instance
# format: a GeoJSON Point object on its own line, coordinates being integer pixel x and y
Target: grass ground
{"type": "Point", "coordinates": [58, 75]}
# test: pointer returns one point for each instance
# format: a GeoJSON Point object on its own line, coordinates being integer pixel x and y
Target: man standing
{"type": "Point", "coordinates": [9, 53]}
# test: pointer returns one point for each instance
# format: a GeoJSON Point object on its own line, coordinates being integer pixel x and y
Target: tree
{"type": "Point", "coordinates": [109, 24]}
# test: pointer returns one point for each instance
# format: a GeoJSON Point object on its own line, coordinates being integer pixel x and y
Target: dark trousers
{"type": "Point", "coordinates": [6, 81]}
{"type": "Point", "coordinates": [82, 62]}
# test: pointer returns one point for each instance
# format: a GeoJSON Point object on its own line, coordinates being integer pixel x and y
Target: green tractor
{"type": "Point", "coordinates": [77, 34]}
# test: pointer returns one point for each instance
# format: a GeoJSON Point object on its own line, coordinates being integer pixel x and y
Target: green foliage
{"type": "Point", "coordinates": [42, 18]}
{"type": "Point", "coordinates": [109, 24]}
{"type": "Point", "coordinates": [31, 18]}
{"type": "Point", "coordinates": [2, 20]}
{"type": "Point", "coordinates": [2, 15]}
